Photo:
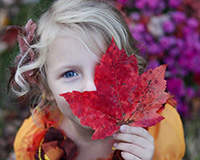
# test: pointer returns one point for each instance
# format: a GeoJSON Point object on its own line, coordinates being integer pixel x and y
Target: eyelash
{"type": "Point", "coordinates": [70, 76]}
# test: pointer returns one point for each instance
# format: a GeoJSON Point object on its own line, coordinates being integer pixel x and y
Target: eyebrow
{"type": "Point", "coordinates": [65, 67]}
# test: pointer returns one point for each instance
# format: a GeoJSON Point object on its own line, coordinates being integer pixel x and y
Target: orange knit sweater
{"type": "Point", "coordinates": [168, 136]}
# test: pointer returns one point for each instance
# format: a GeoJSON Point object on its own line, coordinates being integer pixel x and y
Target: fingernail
{"type": "Point", "coordinates": [123, 128]}
{"type": "Point", "coordinates": [115, 144]}
{"type": "Point", "coordinates": [114, 135]}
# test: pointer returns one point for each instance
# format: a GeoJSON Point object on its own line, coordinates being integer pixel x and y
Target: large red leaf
{"type": "Point", "coordinates": [122, 96]}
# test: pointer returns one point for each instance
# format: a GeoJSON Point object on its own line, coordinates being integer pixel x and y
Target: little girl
{"type": "Point", "coordinates": [59, 55]}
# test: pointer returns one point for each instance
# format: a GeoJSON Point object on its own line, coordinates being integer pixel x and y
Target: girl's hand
{"type": "Point", "coordinates": [135, 143]}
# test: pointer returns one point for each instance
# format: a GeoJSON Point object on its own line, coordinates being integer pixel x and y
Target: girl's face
{"type": "Point", "coordinates": [70, 67]}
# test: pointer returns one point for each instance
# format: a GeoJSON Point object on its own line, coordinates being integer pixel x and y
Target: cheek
{"type": "Point", "coordinates": [63, 106]}
{"type": "Point", "coordinates": [58, 88]}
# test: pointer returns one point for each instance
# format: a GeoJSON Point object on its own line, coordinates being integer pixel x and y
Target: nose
{"type": "Point", "coordinates": [89, 85]}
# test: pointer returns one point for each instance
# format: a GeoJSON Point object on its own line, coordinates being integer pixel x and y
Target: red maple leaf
{"type": "Point", "coordinates": [122, 97]}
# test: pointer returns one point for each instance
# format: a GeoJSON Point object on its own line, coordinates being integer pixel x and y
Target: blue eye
{"type": "Point", "coordinates": [70, 74]}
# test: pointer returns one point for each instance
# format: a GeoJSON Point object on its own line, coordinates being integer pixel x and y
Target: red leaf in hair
{"type": "Point", "coordinates": [11, 33]}
{"type": "Point", "coordinates": [30, 30]}
{"type": "Point", "coordinates": [26, 37]}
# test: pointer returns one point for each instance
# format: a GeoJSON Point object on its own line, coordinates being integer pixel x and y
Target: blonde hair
{"type": "Point", "coordinates": [91, 21]}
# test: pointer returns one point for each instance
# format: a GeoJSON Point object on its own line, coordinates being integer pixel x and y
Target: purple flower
{"type": "Point", "coordinates": [185, 63]}
{"type": "Point", "coordinates": [174, 3]}
{"type": "Point", "coordinates": [139, 27]}
{"type": "Point", "coordinates": [140, 4]}
{"type": "Point", "coordinates": [135, 16]}
{"type": "Point", "coordinates": [195, 62]}
{"type": "Point", "coordinates": [197, 46]}
{"type": "Point", "coordinates": [190, 92]}
{"type": "Point", "coordinates": [193, 40]}
{"type": "Point", "coordinates": [180, 43]}
{"type": "Point", "coordinates": [153, 64]}
{"type": "Point", "coordinates": [154, 49]}
{"type": "Point", "coordinates": [142, 48]}
{"type": "Point", "coordinates": [148, 37]}
{"type": "Point", "coordinates": [168, 26]}
{"type": "Point", "coordinates": [182, 72]}
{"type": "Point", "coordinates": [178, 16]}
{"type": "Point", "coordinates": [173, 72]}
{"type": "Point", "coordinates": [188, 52]}
{"type": "Point", "coordinates": [176, 87]}
{"type": "Point", "coordinates": [150, 6]}
{"type": "Point", "coordinates": [193, 23]}
{"type": "Point", "coordinates": [176, 70]}
{"type": "Point", "coordinates": [170, 61]}
{"type": "Point", "coordinates": [186, 30]}
{"type": "Point", "coordinates": [183, 108]}
{"type": "Point", "coordinates": [174, 52]}
{"type": "Point", "coordinates": [161, 7]}
{"type": "Point", "coordinates": [167, 42]}
{"type": "Point", "coordinates": [137, 36]}
{"type": "Point", "coordinates": [153, 4]}
{"type": "Point", "coordinates": [138, 31]}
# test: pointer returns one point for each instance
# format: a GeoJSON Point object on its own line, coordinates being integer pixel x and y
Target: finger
{"type": "Point", "coordinates": [129, 156]}
{"type": "Point", "coordinates": [137, 131]}
{"type": "Point", "coordinates": [135, 139]}
{"type": "Point", "coordinates": [127, 147]}
{"type": "Point", "coordinates": [135, 150]}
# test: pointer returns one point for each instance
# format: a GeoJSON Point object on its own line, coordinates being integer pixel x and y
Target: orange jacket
{"type": "Point", "coordinates": [168, 136]}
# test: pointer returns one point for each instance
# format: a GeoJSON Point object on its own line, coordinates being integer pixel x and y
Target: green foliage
{"type": "Point", "coordinates": [192, 136]}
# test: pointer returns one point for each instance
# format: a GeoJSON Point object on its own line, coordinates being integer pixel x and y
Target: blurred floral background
{"type": "Point", "coordinates": [168, 32]}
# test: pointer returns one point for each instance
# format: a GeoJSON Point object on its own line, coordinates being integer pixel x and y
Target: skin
{"type": "Point", "coordinates": [71, 66]}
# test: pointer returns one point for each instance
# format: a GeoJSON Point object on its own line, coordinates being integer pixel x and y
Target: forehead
{"type": "Point", "coordinates": [68, 49]}
{"type": "Point", "coordinates": [65, 45]}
